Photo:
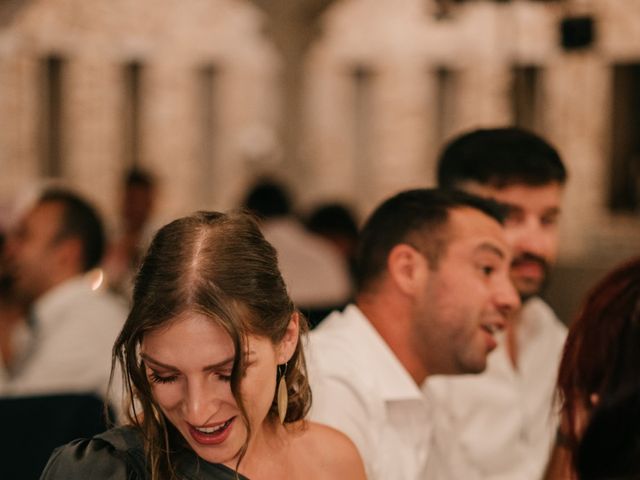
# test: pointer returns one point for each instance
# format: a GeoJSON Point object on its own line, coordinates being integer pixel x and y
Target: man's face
{"type": "Point", "coordinates": [466, 298]}
{"type": "Point", "coordinates": [32, 249]}
{"type": "Point", "coordinates": [531, 228]}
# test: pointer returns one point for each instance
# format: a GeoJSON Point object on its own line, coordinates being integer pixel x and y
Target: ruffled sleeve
{"type": "Point", "coordinates": [85, 459]}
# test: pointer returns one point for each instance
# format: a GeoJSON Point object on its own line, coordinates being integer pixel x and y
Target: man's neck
{"type": "Point", "coordinates": [511, 333]}
{"type": "Point", "coordinates": [511, 338]}
{"type": "Point", "coordinates": [393, 325]}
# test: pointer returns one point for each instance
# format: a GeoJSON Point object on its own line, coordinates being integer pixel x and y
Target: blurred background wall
{"type": "Point", "coordinates": [344, 100]}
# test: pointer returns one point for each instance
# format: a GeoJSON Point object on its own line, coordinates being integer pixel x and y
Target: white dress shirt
{"type": "Point", "coordinates": [314, 272]}
{"type": "Point", "coordinates": [360, 388]}
{"type": "Point", "coordinates": [500, 425]}
{"type": "Point", "coordinates": [73, 331]}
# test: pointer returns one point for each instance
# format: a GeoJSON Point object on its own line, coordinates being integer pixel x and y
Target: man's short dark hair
{"type": "Point", "coordinates": [500, 157]}
{"type": "Point", "coordinates": [79, 220]}
{"type": "Point", "coordinates": [415, 217]}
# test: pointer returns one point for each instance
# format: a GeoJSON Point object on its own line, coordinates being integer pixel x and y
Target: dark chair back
{"type": "Point", "coordinates": [32, 427]}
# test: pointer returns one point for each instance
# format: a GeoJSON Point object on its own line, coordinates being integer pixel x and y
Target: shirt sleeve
{"type": "Point", "coordinates": [84, 459]}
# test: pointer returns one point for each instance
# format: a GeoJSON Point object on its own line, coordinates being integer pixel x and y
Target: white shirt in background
{"type": "Point", "coordinates": [501, 424]}
{"type": "Point", "coordinates": [69, 349]}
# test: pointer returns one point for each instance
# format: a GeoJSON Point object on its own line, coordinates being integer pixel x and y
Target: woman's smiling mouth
{"type": "Point", "coordinates": [212, 435]}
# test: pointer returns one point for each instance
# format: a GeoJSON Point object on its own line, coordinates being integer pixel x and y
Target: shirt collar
{"type": "Point", "coordinates": [395, 383]}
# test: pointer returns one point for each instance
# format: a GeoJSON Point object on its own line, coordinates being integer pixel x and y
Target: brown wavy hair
{"type": "Point", "coordinates": [602, 352]}
{"type": "Point", "coordinates": [218, 265]}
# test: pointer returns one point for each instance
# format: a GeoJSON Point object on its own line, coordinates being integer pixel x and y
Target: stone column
{"type": "Point", "coordinates": [292, 26]}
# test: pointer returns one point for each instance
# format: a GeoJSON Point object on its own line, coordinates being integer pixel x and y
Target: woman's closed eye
{"type": "Point", "coordinates": [157, 378]}
{"type": "Point", "coordinates": [163, 379]}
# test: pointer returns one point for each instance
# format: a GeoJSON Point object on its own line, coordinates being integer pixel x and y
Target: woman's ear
{"type": "Point", "coordinates": [289, 342]}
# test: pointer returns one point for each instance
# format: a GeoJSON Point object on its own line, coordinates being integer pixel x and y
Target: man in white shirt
{"type": "Point", "coordinates": [501, 424]}
{"type": "Point", "coordinates": [72, 324]}
{"type": "Point", "coordinates": [433, 288]}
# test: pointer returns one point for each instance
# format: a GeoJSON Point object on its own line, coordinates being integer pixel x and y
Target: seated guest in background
{"type": "Point", "coordinates": [13, 329]}
{"type": "Point", "coordinates": [315, 273]}
{"type": "Point", "coordinates": [433, 288]}
{"type": "Point", "coordinates": [212, 359]}
{"type": "Point", "coordinates": [500, 425]}
{"type": "Point", "coordinates": [136, 229]}
{"type": "Point", "coordinates": [599, 384]}
{"type": "Point", "coordinates": [72, 324]}
{"type": "Point", "coordinates": [336, 223]}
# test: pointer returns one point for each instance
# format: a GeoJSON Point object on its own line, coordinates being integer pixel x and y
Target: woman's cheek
{"type": "Point", "coordinates": [166, 396]}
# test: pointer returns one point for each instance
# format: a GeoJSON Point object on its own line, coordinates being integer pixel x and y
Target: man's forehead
{"type": "Point", "coordinates": [473, 224]}
{"type": "Point", "coordinates": [44, 213]}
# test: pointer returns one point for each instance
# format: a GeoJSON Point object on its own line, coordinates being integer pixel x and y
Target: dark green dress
{"type": "Point", "coordinates": [118, 454]}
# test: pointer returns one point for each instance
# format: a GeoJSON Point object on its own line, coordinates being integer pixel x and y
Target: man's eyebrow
{"type": "Point", "coordinates": [215, 366]}
{"type": "Point", "coordinates": [512, 207]}
{"type": "Point", "coordinates": [552, 211]}
{"type": "Point", "coordinates": [491, 248]}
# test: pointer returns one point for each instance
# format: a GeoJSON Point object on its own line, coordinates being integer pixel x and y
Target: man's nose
{"type": "Point", "coordinates": [506, 296]}
{"type": "Point", "coordinates": [532, 238]}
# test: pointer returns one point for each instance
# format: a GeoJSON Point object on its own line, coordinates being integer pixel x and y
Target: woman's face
{"type": "Point", "coordinates": [189, 364]}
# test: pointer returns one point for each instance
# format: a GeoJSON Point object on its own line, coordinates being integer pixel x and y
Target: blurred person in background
{"type": "Point", "coordinates": [14, 332]}
{"type": "Point", "coordinates": [337, 223]}
{"type": "Point", "coordinates": [73, 324]}
{"type": "Point", "coordinates": [599, 384]}
{"type": "Point", "coordinates": [501, 424]}
{"type": "Point", "coordinates": [136, 228]}
{"type": "Point", "coordinates": [315, 273]}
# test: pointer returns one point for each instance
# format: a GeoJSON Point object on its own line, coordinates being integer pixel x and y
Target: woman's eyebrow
{"type": "Point", "coordinates": [215, 366]}
{"type": "Point", "coordinates": [147, 359]}
{"type": "Point", "coordinates": [221, 365]}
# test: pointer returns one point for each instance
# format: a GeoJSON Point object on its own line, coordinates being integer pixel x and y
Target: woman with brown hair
{"type": "Point", "coordinates": [213, 368]}
{"type": "Point", "coordinates": [599, 384]}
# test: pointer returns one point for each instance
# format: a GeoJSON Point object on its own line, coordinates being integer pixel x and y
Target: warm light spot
{"type": "Point", "coordinates": [97, 278]}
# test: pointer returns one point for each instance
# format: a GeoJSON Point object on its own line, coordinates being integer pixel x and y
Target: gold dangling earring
{"type": "Point", "coordinates": [283, 395]}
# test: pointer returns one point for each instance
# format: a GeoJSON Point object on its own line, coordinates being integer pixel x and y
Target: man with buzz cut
{"type": "Point", "coordinates": [500, 425]}
{"type": "Point", "coordinates": [432, 290]}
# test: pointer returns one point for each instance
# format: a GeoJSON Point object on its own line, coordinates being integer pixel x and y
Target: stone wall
{"type": "Point", "coordinates": [172, 41]}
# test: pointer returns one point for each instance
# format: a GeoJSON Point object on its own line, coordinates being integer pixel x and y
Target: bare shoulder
{"type": "Point", "coordinates": [328, 453]}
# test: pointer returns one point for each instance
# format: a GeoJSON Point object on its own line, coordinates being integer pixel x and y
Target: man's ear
{"type": "Point", "coordinates": [289, 342]}
{"type": "Point", "coordinates": [408, 268]}
{"type": "Point", "coordinates": [70, 253]}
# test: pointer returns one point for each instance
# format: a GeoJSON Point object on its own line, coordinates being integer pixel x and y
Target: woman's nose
{"type": "Point", "coordinates": [200, 403]}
